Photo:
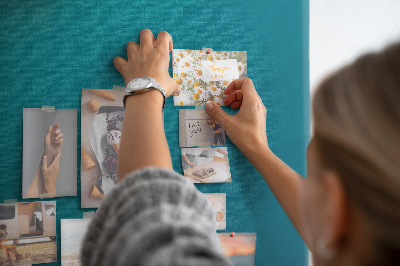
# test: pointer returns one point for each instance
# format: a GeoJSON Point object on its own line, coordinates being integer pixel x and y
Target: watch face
{"type": "Point", "coordinates": [140, 83]}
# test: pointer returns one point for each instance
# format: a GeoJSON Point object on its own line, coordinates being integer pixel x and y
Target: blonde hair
{"type": "Point", "coordinates": [356, 115]}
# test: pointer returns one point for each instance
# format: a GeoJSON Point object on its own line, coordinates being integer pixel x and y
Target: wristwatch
{"type": "Point", "coordinates": [142, 85]}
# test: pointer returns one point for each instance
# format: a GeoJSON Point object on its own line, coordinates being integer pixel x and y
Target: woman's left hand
{"type": "Point", "coordinates": [150, 59]}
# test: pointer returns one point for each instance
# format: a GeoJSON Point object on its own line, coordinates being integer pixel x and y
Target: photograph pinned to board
{"type": "Point", "coordinates": [218, 201]}
{"type": "Point", "coordinates": [204, 74]}
{"type": "Point", "coordinates": [102, 114]}
{"type": "Point", "coordinates": [206, 165]}
{"type": "Point", "coordinates": [198, 128]}
{"type": "Point", "coordinates": [72, 233]}
{"type": "Point", "coordinates": [240, 248]}
{"type": "Point", "coordinates": [28, 233]}
{"type": "Point", "coordinates": [49, 153]}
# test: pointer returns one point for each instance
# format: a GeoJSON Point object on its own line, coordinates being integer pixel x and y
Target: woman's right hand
{"type": "Point", "coordinates": [247, 129]}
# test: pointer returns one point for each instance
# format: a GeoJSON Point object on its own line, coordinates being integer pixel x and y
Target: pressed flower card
{"type": "Point", "coordinates": [203, 76]}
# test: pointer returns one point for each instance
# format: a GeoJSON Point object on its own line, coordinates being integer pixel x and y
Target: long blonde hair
{"type": "Point", "coordinates": [356, 114]}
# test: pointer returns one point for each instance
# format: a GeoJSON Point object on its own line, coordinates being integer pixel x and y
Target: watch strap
{"type": "Point", "coordinates": [154, 85]}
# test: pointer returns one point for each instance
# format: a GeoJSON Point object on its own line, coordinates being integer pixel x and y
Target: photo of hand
{"type": "Point", "coordinates": [44, 182]}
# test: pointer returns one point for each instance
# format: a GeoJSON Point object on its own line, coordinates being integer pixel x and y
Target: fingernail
{"type": "Point", "coordinates": [209, 106]}
{"type": "Point", "coordinates": [179, 90]}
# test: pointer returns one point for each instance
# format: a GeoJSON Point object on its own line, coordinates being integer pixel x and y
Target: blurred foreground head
{"type": "Point", "coordinates": [356, 134]}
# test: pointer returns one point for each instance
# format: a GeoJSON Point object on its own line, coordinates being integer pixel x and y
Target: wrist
{"type": "Point", "coordinates": [50, 188]}
{"type": "Point", "coordinates": [150, 99]}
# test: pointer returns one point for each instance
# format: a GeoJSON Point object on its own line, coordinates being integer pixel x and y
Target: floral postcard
{"type": "Point", "coordinates": [204, 74]}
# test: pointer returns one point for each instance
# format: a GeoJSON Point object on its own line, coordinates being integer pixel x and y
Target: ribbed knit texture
{"type": "Point", "coordinates": [153, 217]}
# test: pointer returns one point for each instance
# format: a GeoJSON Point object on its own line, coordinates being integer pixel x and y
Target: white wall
{"type": "Point", "coordinates": [341, 30]}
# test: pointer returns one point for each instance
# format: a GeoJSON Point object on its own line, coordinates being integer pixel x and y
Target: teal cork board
{"type": "Point", "coordinates": [50, 50]}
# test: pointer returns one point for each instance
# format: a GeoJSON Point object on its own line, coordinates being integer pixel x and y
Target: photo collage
{"type": "Point", "coordinates": [28, 231]}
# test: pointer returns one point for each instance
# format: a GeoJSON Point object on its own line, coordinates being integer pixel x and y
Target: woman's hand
{"type": "Point", "coordinates": [247, 129]}
{"type": "Point", "coordinates": [150, 59]}
{"type": "Point", "coordinates": [50, 174]}
{"type": "Point", "coordinates": [53, 142]}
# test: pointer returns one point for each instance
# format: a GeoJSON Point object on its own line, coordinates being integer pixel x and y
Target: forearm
{"type": "Point", "coordinates": [143, 141]}
{"type": "Point", "coordinates": [282, 180]}
{"type": "Point", "coordinates": [33, 191]}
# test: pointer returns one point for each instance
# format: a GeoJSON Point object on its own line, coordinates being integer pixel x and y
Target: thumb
{"type": "Point", "coordinates": [48, 132]}
{"type": "Point", "coordinates": [218, 113]}
{"type": "Point", "coordinates": [119, 64]}
{"type": "Point", "coordinates": [44, 163]}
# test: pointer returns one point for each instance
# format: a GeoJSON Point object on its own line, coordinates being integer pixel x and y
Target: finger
{"type": "Point", "coordinates": [60, 142]}
{"type": "Point", "coordinates": [58, 131]}
{"type": "Point", "coordinates": [59, 137]}
{"type": "Point", "coordinates": [177, 92]}
{"type": "Point", "coordinates": [55, 127]}
{"type": "Point", "coordinates": [164, 41]}
{"type": "Point", "coordinates": [146, 39]}
{"type": "Point", "coordinates": [236, 105]}
{"type": "Point", "coordinates": [245, 85]}
{"type": "Point", "coordinates": [131, 48]}
{"type": "Point", "coordinates": [218, 113]}
{"type": "Point", "coordinates": [48, 132]}
{"type": "Point", "coordinates": [44, 163]}
{"type": "Point", "coordinates": [119, 63]}
{"type": "Point", "coordinates": [233, 97]}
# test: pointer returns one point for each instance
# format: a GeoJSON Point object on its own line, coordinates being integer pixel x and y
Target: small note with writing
{"type": "Point", "coordinates": [198, 128]}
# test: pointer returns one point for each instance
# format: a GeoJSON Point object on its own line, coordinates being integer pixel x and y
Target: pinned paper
{"type": "Point", "coordinates": [46, 108]}
{"type": "Point", "coordinates": [10, 201]}
{"type": "Point", "coordinates": [25, 262]}
{"type": "Point", "coordinates": [88, 215]}
{"type": "Point", "coordinates": [45, 195]}
{"type": "Point", "coordinates": [198, 128]}
{"type": "Point", "coordinates": [206, 165]}
{"type": "Point", "coordinates": [204, 74]}
{"type": "Point", "coordinates": [119, 88]}
{"type": "Point", "coordinates": [219, 70]}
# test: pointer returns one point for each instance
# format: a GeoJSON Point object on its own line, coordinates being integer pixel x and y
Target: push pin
{"type": "Point", "coordinates": [232, 234]}
{"type": "Point", "coordinates": [208, 51]}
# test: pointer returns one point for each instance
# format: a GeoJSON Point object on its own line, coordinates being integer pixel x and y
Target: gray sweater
{"type": "Point", "coordinates": [153, 217]}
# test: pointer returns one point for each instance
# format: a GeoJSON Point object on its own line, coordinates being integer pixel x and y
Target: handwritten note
{"type": "Point", "coordinates": [194, 128]}
{"type": "Point", "coordinates": [219, 70]}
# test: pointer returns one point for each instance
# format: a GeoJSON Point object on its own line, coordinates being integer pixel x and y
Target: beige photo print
{"type": "Point", "coordinates": [28, 233]}
{"type": "Point", "coordinates": [49, 153]}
